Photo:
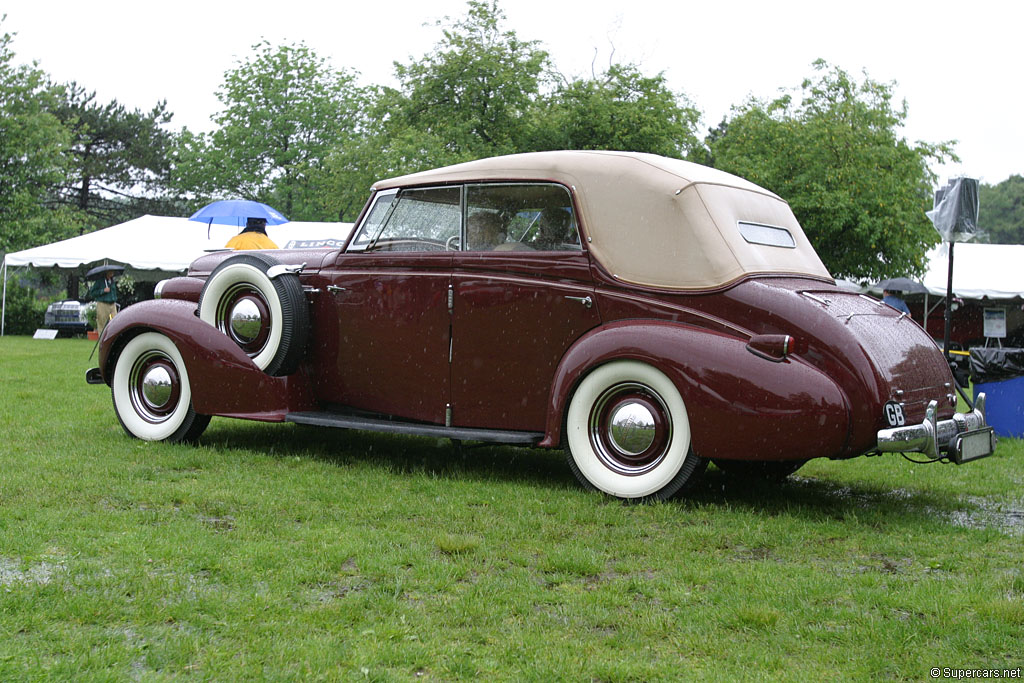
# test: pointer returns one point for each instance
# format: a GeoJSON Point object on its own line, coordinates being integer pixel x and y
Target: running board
{"type": "Point", "coordinates": [372, 424]}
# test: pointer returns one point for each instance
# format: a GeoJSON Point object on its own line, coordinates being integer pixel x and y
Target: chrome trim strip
{"type": "Point", "coordinates": [823, 302]}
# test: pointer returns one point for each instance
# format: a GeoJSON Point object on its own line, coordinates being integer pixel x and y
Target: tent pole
{"type": "Point", "coordinates": [925, 325]}
{"type": "Point", "coordinates": [3, 309]}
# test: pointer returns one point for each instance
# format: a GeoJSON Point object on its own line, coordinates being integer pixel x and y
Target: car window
{"type": "Point", "coordinates": [412, 220]}
{"type": "Point", "coordinates": [520, 217]}
{"type": "Point", "coordinates": [768, 235]}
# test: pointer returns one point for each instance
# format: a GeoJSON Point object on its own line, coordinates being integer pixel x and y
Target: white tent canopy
{"type": "Point", "coordinates": [156, 247]}
{"type": "Point", "coordinates": [993, 271]}
{"type": "Point", "coordinates": [980, 271]}
{"type": "Point", "coordinates": [162, 243]}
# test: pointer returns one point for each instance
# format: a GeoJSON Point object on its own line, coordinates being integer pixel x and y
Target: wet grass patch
{"type": "Point", "coordinates": [277, 551]}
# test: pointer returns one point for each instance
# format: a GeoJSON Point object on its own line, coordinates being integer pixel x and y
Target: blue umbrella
{"type": "Point", "coordinates": [235, 211]}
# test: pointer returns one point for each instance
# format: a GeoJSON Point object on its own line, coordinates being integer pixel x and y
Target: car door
{"type": "Point", "coordinates": [518, 303]}
{"type": "Point", "coordinates": [382, 318]}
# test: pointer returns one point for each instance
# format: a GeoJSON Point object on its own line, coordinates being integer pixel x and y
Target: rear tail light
{"type": "Point", "coordinates": [775, 347]}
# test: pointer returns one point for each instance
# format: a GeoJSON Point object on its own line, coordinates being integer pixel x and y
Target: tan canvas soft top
{"type": "Point", "coordinates": [651, 220]}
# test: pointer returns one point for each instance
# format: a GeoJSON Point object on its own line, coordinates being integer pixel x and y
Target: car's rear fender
{"type": "Point", "coordinates": [875, 353]}
{"type": "Point", "coordinates": [224, 380]}
{"type": "Point", "coordinates": [740, 405]}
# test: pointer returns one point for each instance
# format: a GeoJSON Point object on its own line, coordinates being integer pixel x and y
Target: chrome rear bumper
{"type": "Point", "coordinates": [962, 438]}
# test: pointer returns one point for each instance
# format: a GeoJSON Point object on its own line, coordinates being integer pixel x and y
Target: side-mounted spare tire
{"type": "Point", "coordinates": [265, 313]}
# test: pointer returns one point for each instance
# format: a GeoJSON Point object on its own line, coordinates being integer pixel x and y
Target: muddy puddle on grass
{"type": "Point", "coordinates": [989, 515]}
{"type": "Point", "coordinates": [975, 512]}
{"type": "Point", "coordinates": [13, 571]}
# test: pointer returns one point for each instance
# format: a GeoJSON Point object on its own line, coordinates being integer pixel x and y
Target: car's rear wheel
{"type": "Point", "coordinates": [628, 433]}
{"type": "Point", "coordinates": [151, 391]}
{"type": "Point", "coordinates": [771, 470]}
{"type": "Point", "coordinates": [267, 317]}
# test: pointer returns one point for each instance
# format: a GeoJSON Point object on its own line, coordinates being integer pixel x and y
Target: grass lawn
{"type": "Point", "coordinates": [282, 552]}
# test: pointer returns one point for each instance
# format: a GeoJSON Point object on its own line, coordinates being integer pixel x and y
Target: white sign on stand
{"type": "Point", "coordinates": [995, 323]}
{"type": "Point", "coordinates": [45, 334]}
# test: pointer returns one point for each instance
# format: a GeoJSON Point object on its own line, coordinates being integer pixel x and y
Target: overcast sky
{"type": "Point", "coordinates": [958, 65]}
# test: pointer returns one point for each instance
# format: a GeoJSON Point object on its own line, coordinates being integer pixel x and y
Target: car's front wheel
{"type": "Point", "coordinates": [151, 391]}
{"type": "Point", "coordinates": [629, 434]}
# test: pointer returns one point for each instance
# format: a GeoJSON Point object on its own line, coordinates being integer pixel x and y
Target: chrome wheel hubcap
{"type": "Point", "coordinates": [243, 315]}
{"type": "Point", "coordinates": [157, 386]}
{"type": "Point", "coordinates": [246, 321]}
{"type": "Point", "coordinates": [154, 387]}
{"type": "Point", "coordinates": [630, 428]}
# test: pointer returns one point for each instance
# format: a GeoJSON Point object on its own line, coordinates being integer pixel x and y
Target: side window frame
{"type": "Point", "coordinates": [560, 200]}
{"type": "Point", "coordinates": [364, 242]}
{"type": "Point", "coordinates": [359, 241]}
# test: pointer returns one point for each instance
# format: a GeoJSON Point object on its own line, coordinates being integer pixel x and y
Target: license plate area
{"type": "Point", "coordinates": [973, 445]}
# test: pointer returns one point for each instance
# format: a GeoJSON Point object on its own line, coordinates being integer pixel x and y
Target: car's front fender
{"type": "Point", "coordinates": [740, 405]}
{"type": "Point", "coordinates": [224, 380]}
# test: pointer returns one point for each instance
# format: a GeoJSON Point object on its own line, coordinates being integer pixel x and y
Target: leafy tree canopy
{"type": "Point", "coordinates": [118, 158]}
{"type": "Point", "coordinates": [836, 155]}
{"type": "Point", "coordinates": [32, 146]}
{"type": "Point", "coordinates": [475, 88]}
{"type": "Point", "coordinates": [473, 96]}
{"type": "Point", "coordinates": [624, 110]}
{"type": "Point", "coordinates": [285, 110]}
{"type": "Point", "coordinates": [301, 135]}
{"type": "Point", "coordinates": [484, 91]}
{"type": "Point", "coordinates": [1001, 211]}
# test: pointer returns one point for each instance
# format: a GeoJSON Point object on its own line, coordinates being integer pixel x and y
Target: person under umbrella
{"type": "Point", "coordinates": [892, 298]}
{"type": "Point", "coordinates": [104, 292]}
{"type": "Point", "coordinates": [254, 236]}
{"type": "Point", "coordinates": [257, 217]}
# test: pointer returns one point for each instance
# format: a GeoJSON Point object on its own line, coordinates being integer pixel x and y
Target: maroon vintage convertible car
{"type": "Point", "coordinates": [646, 314]}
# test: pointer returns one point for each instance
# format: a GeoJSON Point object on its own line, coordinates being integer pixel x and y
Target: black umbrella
{"type": "Point", "coordinates": [100, 271]}
{"type": "Point", "coordinates": [902, 284]}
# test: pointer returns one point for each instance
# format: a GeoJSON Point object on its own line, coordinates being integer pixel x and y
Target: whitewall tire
{"type": "Point", "coordinates": [628, 433]}
{"type": "Point", "coordinates": [151, 391]}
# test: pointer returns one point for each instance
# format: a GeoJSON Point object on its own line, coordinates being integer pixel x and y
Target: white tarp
{"type": "Point", "coordinates": [156, 247]}
{"type": "Point", "coordinates": [995, 271]}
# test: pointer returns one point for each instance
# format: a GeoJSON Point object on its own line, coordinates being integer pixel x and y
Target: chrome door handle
{"type": "Point", "coordinates": [334, 289]}
{"type": "Point", "coordinates": [585, 300]}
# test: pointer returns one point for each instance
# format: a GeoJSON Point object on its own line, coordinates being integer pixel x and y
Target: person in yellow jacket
{"type": "Point", "coordinates": [253, 237]}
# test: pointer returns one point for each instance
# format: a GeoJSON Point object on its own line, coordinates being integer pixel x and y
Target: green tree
{"type": "Point", "coordinates": [483, 91]}
{"type": "Point", "coordinates": [384, 150]}
{"type": "Point", "coordinates": [1001, 211]}
{"type": "Point", "coordinates": [836, 155]}
{"type": "Point", "coordinates": [285, 111]}
{"type": "Point", "coordinates": [624, 110]}
{"type": "Point", "coordinates": [119, 158]}
{"type": "Point", "coordinates": [472, 96]}
{"type": "Point", "coordinates": [32, 146]}
{"type": "Point", "coordinates": [475, 90]}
